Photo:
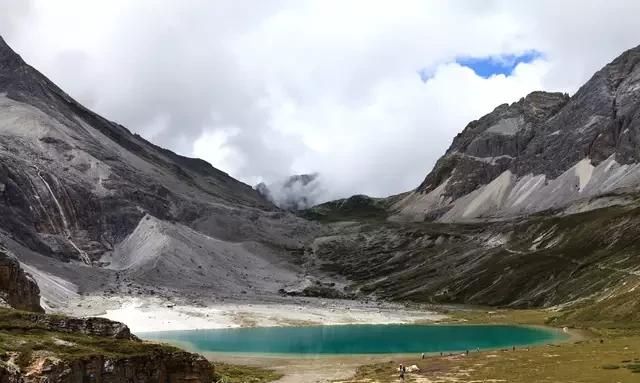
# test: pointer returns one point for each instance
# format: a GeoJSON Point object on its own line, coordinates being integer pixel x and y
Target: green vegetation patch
{"type": "Point", "coordinates": [358, 208]}
{"type": "Point", "coordinates": [229, 373]}
{"type": "Point", "coordinates": [20, 335]}
{"type": "Point", "coordinates": [587, 361]}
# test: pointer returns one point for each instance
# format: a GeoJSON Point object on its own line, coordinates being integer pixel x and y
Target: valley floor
{"type": "Point", "coordinates": [591, 355]}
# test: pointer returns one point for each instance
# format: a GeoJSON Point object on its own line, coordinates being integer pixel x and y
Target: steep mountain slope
{"type": "Point", "coordinates": [545, 151]}
{"type": "Point", "coordinates": [75, 189]}
{"type": "Point", "coordinates": [540, 261]}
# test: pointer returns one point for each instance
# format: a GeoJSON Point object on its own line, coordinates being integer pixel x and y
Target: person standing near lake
{"type": "Point", "coordinates": [402, 371]}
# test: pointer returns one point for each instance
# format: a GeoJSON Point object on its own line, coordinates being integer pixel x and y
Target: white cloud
{"type": "Point", "coordinates": [272, 88]}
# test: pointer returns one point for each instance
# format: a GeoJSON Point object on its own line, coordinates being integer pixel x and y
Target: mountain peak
{"type": "Point", "coordinates": [502, 163]}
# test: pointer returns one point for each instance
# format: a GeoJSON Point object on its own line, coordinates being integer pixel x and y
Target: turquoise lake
{"type": "Point", "coordinates": [356, 339]}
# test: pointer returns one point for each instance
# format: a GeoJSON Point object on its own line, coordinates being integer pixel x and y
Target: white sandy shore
{"type": "Point", "coordinates": [155, 314]}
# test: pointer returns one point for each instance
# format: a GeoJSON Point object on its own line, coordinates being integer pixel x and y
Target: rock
{"type": "Point", "coordinates": [101, 327]}
{"type": "Point", "coordinates": [159, 366]}
{"type": "Point", "coordinates": [17, 288]}
{"type": "Point", "coordinates": [9, 373]}
{"type": "Point", "coordinates": [413, 368]}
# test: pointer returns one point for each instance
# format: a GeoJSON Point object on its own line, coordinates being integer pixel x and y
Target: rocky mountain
{"type": "Point", "coordinates": [90, 208]}
{"type": "Point", "coordinates": [298, 192]}
{"type": "Point", "coordinates": [534, 205]}
{"type": "Point", "coordinates": [546, 151]}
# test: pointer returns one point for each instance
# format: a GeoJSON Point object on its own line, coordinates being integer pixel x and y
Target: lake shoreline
{"type": "Point", "coordinates": [177, 338]}
{"type": "Point", "coordinates": [148, 314]}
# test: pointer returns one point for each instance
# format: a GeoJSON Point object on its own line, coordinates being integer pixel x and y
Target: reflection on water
{"type": "Point", "coordinates": [356, 339]}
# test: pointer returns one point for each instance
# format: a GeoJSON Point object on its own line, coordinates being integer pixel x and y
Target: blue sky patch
{"type": "Point", "coordinates": [493, 65]}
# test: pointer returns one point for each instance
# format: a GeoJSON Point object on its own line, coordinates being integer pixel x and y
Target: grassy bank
{"type": "Point", "coordinates": [230, 373]}
{"type": "Point", "coordinates": [604, 355]}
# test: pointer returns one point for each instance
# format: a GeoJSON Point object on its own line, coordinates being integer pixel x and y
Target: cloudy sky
{"type": "Point", "coordinates": [367, 93]}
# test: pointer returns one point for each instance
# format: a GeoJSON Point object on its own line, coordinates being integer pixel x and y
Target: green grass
{"type": "Point", "coordinates": [603, 354]}
{"type": "Point", "coordinates": [583, 362]}
{"type": "Point", "coordinates": [229, 373]}
{"type": "Point", "coordinates": [70, 347]}
{"type": "Point", "coordinates": [358, 208]}
{"type": "Point", "coordinates": [500, 316]}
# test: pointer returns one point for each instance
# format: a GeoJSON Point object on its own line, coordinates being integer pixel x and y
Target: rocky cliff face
{"type": "Point", "coordinates": [158, 366]}
{"type": "Point", "coordinates": [543, 152]}
{"type": "Point", "coordinates": [17, 288]}
{"type": "Point", "coordinates": [46, 348]}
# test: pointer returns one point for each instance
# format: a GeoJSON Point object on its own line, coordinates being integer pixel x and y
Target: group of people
{"type": "Point", "coordinates": [403, 369]}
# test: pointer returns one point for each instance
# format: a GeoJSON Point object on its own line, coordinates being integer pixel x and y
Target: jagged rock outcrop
{"type": "Point", "coordinates": [17, 288]}
{"type": "Point", "coordinates": [543, 152]}
{"type": "Point", "coordinates": [51, 348]}
{"type": "Point", "coordinates": [158, 366]}
{"type": "Point", "coordinates": [91, 326]}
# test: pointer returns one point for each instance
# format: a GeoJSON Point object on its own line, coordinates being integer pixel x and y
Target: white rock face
{"type": "Point", "coordinates": [508, 195]}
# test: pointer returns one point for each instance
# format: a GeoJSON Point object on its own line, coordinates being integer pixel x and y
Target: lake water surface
{"type": "Point", "coordinates": [357, 339]}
